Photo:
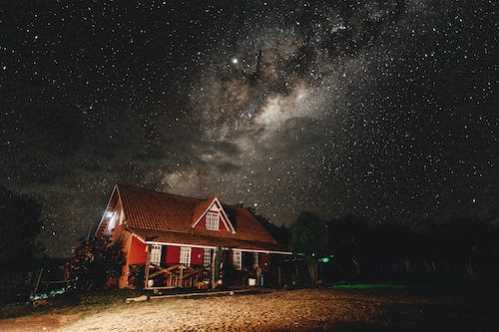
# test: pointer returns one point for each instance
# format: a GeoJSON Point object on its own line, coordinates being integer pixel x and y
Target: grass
{"type": "Point", "coordinates": [366, 286]}
{"type": "Point", "coordinates": [84, 303]}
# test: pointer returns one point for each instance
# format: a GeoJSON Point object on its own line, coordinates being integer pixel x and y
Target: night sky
{"type": "Point", "coordinates": [382, 109]}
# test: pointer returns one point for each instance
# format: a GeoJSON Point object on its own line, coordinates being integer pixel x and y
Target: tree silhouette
{"type": "Point", "coordinates": [309, 237]}
{"type": "Point", "coordinates": [96, 264]}
{"type": "Point", "coordinates": [20, 224]}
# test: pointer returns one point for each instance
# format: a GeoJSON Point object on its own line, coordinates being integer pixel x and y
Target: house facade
{"type": "Point", "coordinates": [175, 241]}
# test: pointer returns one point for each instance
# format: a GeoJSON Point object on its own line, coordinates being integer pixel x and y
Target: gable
{"type": "Point", "coordinates": [209, 211]}
{"type": "Point", "coordinates": [113, 215]}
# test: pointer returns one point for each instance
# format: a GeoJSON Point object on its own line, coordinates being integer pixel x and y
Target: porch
{"type": "Point", "coordinates": [170, 266]}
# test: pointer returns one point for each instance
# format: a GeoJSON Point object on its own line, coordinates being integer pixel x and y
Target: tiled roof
{"type": "Point", "coordinates": [164, 217]}
{"type": "Point", "coordinates": [203, 240]}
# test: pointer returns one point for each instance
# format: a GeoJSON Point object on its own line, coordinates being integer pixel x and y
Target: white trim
{"type": "Point", "coordinates": [225, 220]}
{"type": "Point", "coordinates": [236, 253]}
{"type": "Point", "coordinates": [207, 256]}
{"type": "Point", "coordinates": [267, 251]}
{"type": "Point", "coordinates": [181, 244]}
{"type": "Point", "coordinates": [155, 254]}
{"type": "Point", "coordinates": [215, 247]}
{"type": "Point", "coordinates": [115, 189]}
{"type": "Point", "coordinates": [122, 215]}
{"type": "Point", "coordinates": [139, 238]}
{"type": "Point", "coordinates": [185, 251]}
{"type": "Point", "coordinates": [212, 247]}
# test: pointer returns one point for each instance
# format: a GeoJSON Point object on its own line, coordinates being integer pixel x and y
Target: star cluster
{"type": "Point", "coordinates": [384, 109]}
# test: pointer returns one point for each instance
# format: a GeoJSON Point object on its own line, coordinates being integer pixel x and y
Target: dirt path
{"type": "Point", "coordinates": [275, 311]}
{"type": "Point", "coordinates": [303, 310]}
{"type": "Point", "coordinates": [37, 323]}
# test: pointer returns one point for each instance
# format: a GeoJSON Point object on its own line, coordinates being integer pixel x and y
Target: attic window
{"type": "Point", "coordinates": [212, 221]}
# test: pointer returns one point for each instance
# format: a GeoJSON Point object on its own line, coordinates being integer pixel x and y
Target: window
{"type": "Point", "coordinates": [236, 259]}
{"type": "Point", "coordinates": [207, 257]}
{"type": "Point", "coordinates": [155, 254]}
{"type": "Point", "coordinates": [185, 255]}
{"type": "Point", "coordinates": [212, 221]}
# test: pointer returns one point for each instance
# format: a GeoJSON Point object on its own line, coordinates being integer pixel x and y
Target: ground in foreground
{"type": "Point", "coordinates": [302, 310]}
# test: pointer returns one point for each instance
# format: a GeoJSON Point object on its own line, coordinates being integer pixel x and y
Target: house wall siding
{"type": "Point", "coordinates": [197, 256]}
{"type": "Point", "coordinates": [263, 260]}
{"type": "Point", "coordinates": [172, 255]}
{"type": "Point", "coordinates": [138, 253]}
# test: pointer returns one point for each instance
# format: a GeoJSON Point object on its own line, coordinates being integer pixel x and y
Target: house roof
{"type": "Point", "coordinates": [163, 217]}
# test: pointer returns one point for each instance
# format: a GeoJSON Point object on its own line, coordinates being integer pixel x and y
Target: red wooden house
{"type": "Point", "coordinates": [181, 241]}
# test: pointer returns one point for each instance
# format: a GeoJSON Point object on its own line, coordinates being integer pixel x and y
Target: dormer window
{"type": "Point", "coordinates": [212, 221]}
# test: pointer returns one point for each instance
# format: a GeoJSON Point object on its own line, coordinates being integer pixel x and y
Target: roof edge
{"type": "Point", "coordinates": [115, 189]}
{"type": "Point", "coordinates": [278, 250]}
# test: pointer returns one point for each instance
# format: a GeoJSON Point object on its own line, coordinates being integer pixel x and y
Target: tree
{"type": "Point", "coordinates": [280, 233]}
{"type": "Point", "coordinates": [20, 224]}
{"type": "Point", "coordinates": [95, 263]}
{"type": "Point", "coordinates": [309, 236]}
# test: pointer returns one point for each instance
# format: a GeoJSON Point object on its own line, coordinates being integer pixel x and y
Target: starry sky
{"type": "Point", "coordinates": [382, 109]}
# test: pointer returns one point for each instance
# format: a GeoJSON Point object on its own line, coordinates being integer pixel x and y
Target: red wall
{"type": "Point", "coordinates": [197, 256]}
{"type": "Point", "coordinates": [137, 254]}
{"type": "Point", "coordinates": [172, 255]}
{"type": "Point", "coordinates": [264, 260]}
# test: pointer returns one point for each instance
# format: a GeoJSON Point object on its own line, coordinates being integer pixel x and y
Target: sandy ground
{"type": "Point", "coordinates": [303, 310]}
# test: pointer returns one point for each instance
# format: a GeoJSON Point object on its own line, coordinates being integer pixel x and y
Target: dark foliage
{"type": "Point", "coordinates": [20, 254]}
{"type": "Point", "coordinates": [20, 224]}
{"type": "Point", "coordinates": [95, 264]}
{"type": "Point", "coordinates": [281, 233]}
{"type": "Point", "coordinates": [136, 276]}
{"type": "Point", "coordinates": [451, 250]}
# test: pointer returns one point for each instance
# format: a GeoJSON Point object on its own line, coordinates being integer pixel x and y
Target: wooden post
{"type": "Point", "coordinates": [279, 276]}
{"type": "Point", "coordinates": [181, 276]}
{"type": "Point", "coordinates": [213, 262]}
{"type": "Point", "coordinates": [35, 290]}
{"type": "Point", "coordinates": [148, 262]}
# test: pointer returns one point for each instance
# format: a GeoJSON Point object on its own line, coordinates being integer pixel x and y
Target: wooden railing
{"type": "Point", "coordinates": [178, 275]}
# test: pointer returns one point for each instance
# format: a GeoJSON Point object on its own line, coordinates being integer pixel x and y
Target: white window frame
{"type": "Point", "coordinates": [212, 221]}
{"type": "Point", "coordinates": [155, 254]}
{"type": "Point", "coordinates": [207, 257]}
{"type": "Point", "coordinates": [237, 259]}
{"type": "Point", "coordinates": [185, 256]}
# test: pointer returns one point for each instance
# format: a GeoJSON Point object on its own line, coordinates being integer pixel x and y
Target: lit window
{"type": "Point", "coordinates": [185, 256]}
{"type": "Point", "coordinates": [155, 254]}
{"type": "Point", "coordinates": [212, 221]}
{"type": "Point", "coordinates": [111, 220]}
{"type": "Point", "coordinates": [236, 259]}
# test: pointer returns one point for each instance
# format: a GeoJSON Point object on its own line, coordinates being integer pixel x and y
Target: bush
{"type": "Point", "coordinates": [95, 263]}
{"type": "Point", "coordinates": [136, 276]}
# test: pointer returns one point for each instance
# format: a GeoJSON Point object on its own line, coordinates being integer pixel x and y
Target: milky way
{"type": "Point", "coordinates": [384, 109]}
